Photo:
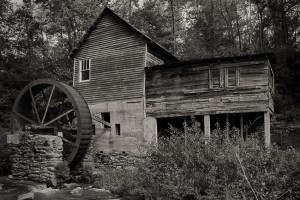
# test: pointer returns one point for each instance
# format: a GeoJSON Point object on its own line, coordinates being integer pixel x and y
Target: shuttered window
{"type": "Point", "coordinates": [84, 70]}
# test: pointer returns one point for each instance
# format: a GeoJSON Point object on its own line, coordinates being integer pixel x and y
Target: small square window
{"type": "Point", "coordinates": [84, 70]}
{"type": "Point", "coordinates": [106, 117]}
{"type": "Point", "coordinates": [118, 129]}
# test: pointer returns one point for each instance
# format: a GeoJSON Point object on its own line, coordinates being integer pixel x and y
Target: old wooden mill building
{"type": "Point", "coordinates": [135, 87]}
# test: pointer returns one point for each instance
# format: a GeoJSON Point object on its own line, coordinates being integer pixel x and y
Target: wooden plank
{"type": "Point", "coordinates": [118, 61]}
{"type": "Point", "coordinates": [242, 126]}
{"type": "Point", "coordinates": [48, 103]}
{"type": "Point", "coordinates": [267, 129]}
{"type": "Point", "coordinates": [207, 126]}
{"type": "Point", "coordinates": [34, 105]}
{"type": "Point", "coordinates": [98, 119]}
{"type": "Point", "coordinates": [186, 90]}
{"type": "Point", "coordinates": [227, 126]}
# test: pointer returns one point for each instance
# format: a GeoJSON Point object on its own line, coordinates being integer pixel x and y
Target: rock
{"type": "Point", "coordinates": [10, 177]}
{"type": "Point", "coordinates": [99, 190]}
{"type": "Point", "coordinates": [1, 186]}
{"type": "Point", "coordinates": [68, 185]}
{"type": "Point", "coordinates": [77, 191]}
{"type": "Point", "coordinates": [52, 183]}
{"type": "Point", "coordinates": [27, 196]}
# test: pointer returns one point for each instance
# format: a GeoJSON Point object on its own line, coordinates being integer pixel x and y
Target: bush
{"type": "Point", "coordinates": [219, 168]}
{"type": "Point", "coordinates": [87, 173]}
{"type": "Point", "coordinates": [62, 172]}
{"type": "Point", "coordinates": [5, 163]}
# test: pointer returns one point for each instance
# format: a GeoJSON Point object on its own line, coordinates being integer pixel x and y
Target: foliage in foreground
{"type": "Point", "coordinates": [219, 168]}
{"type": "Point", "coordinates": [62, 172]}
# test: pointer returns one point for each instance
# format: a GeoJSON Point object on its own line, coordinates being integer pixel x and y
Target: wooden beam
{"type": "Point", "coordinates": [242, 126]}
{"type": "Point", "coordinates": [34, 105]}
{"type": "Point", "coordinates": [207, 126]}
{"type": "Point", "coordinates": [98, 119]}
{"type": "Point", "coordinates": [48, 103]}
{"type": "Point", "coordinates": [22, 116]}
{"type": "Point", "coordinates": [57, 118]}
{"type": "Point", "coordinates": [267, 129]}
{"type": "Point", "coordinates": [185, 125]}
{"type": "Point", "coordinates": [227, 126]}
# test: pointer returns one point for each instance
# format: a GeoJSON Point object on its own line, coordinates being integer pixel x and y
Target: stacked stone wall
{"type": "Point", "coordinates": [34, 157]}
{"type": "Point", "coordinates": [116, 160]}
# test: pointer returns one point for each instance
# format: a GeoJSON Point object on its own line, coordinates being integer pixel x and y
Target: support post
{"type": "Point", "coordinates": [267, 129]}
{"type": "Point", "coordinates": [207, 126]}
{"type": "Point", "coordinates": [242, 126]}
{"type": "Point", "coordinates": [185, 126]}
{"type": "Point", "coordinates": [227, 126]}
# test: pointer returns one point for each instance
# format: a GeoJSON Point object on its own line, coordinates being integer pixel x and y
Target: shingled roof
{"type": "Point", "coordinates": [151, 43]}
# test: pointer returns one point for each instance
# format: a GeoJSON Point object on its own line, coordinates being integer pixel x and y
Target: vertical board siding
{"type": "Point", "coordinates": [117, 61]}
{"type": "Point", "coordinates": [152, 60]}
{"type": "Point", "coordinates": [184, 90]}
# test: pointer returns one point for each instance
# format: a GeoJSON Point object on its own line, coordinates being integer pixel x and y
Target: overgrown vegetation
{"type": "Point", "coordinates": [4, 153]}
{"type": "Point", "coordinates": [195, 167]}
{"type": "Point", "coordinates": [62, 173]}
{"type": "Point", "coordinates": [87, 173]}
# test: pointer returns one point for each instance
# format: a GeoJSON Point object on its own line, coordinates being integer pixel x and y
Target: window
{"type": "Point", "coordinates": [232, 77]}
{"type": "Point", "coordinates": [106, 117]}
{"type": "Point", "coordinates": [223, 77]}
{"type": "Point", "coordinates": [118, 129]}
{"type": "Point", "coordinates": [84, 70]}
{"type": "Point", "coordinates": [216, 78]}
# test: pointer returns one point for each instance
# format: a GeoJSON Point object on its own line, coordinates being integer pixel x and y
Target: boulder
{"type": "Point", "coordinates": [77, 191]}
{"type": "Point", "coordinates": [52, 183]}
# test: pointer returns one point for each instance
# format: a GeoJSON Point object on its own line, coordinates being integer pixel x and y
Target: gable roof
{"type": "Point", "coordinates": [151, 43]}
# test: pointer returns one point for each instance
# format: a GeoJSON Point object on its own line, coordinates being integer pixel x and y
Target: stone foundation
{"type": "Point", "coordinates": [34, 157]}
{"type": "Point", "coordinates": [113, 160]}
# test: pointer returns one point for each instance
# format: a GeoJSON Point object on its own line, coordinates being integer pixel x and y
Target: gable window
{"type": "Point", "coordinates": [84, 70]}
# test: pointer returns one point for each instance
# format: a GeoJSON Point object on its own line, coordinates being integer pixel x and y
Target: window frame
{"type": "Point", "coordinates": [223, 78]}
{"type": "Point", "coordinates": [237, 77]}
{"type": "Point", "coordinates": [80, 70]}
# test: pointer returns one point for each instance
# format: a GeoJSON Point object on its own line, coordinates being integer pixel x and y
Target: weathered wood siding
{"type": "Point", "coordinates": [185, 90]}
{"type": "Point", "coordinates": [153, 60]}
{"type": "Point", "coordinates": [117, 61]}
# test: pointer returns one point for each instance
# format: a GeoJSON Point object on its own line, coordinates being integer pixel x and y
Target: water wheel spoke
{"type": "Point", "coordinates": [22, 116]}
{"type": "Point", "coordinates": [57, 118]}
{"type": "Point", "coordinates": [61, 106]}
{"type": "Point", "coordinates": [48, 103]}
{"type": "Point", "coordinates": [69, 142]}
{"type": "Point", "coordinates": [34, 105]}
{"type": "Point", "coordinates": [68, 119]}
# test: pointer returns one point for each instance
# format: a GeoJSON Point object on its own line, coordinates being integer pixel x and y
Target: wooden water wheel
{"type": "Point", "coordinates": [47, 104]}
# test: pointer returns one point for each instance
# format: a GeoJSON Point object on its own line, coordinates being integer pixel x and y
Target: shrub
{"type": "Point", "coordinates": [218, 168]}
{"type": "Point", "coordinates": [5, 164]}
{"type": "Point", "coordinates": [87, 173]}
{"type": "Point", "coordinates": [62, 172]}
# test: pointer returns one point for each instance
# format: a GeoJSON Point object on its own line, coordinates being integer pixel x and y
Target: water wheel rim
{"type": "Point", "coordinates": [79, 105]}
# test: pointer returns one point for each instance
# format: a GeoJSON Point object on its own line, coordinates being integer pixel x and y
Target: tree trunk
{"type": "Point", "coordinates": [173, 23]}
{"type": "Point", "coordinates": [238, 27]}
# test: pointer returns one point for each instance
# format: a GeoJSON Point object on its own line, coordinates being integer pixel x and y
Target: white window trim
{"type": "Point", "coordinates": [79, 70]}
